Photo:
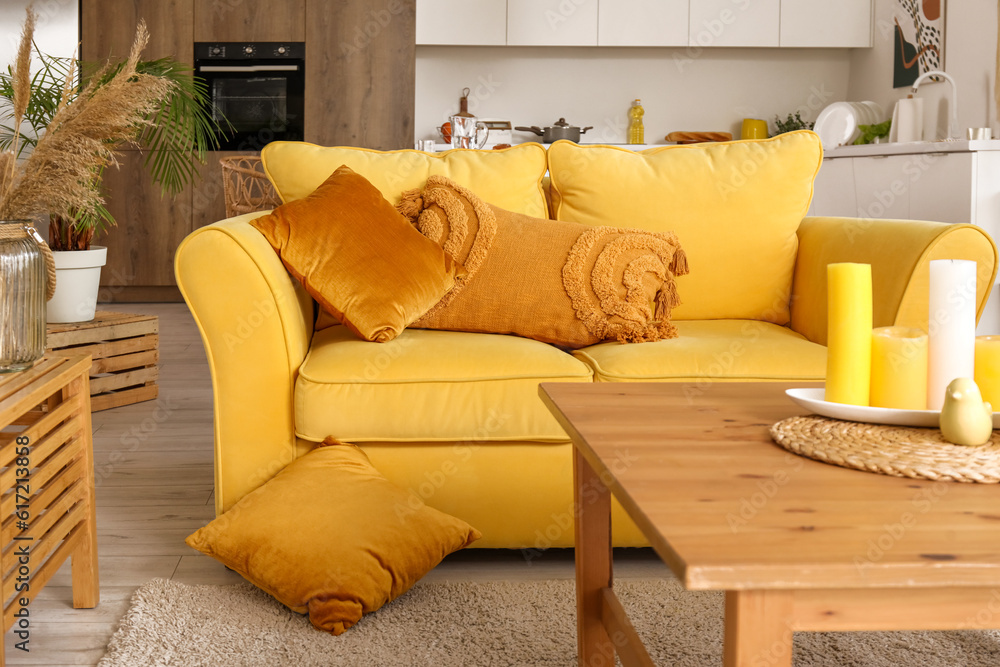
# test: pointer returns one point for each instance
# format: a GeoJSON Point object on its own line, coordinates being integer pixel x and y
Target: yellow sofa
{"type": "Point", "coordinates": [455, 417]}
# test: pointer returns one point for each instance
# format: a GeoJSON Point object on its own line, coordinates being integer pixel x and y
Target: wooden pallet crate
{"type": "Point", "coordinates": [125, 351]}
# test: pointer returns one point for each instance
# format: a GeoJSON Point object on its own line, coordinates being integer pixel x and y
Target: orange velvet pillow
{"type": "Point", "coordinates": [358, 257]}
{"type": "Point", "coordinates": [331, 536]}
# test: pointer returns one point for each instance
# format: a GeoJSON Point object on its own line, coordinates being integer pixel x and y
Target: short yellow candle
{"type": "Point", "coordinates": [849, 333]}
{"type": "Point", "coordinates": [899, 368]}
{"type": "Point", "coordinates": [988, 369]}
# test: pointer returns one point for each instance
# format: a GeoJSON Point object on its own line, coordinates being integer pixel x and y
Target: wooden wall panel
{"type": "Point", "coordinates": [360, 69]}
{"type": "Point", "coordinates": [108, 28]}
{"type": "Point", "coordinates": [141, 247]}
{"type": "Point", "coordinates": [250, 20]}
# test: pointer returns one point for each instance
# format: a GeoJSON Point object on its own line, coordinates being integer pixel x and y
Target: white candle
{"type": "Point", "coordinates": [951, 326]}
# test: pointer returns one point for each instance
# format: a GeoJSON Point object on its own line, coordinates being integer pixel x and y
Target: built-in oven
{"type": "Point", "coordinates": [256, 90]}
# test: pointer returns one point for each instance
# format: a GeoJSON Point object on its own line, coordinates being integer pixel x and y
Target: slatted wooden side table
{"type": "Point", "coordinates": [47, 509]}
{"type": "Point", "coordinates": [126, 353]}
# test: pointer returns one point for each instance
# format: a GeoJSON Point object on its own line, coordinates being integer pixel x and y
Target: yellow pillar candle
{"type": "Point", "coordinates": [899, 368]}
{"type": "Point", "coordinates": [849, 333]}
{"type": "Point", "coordinates": [988, 369]}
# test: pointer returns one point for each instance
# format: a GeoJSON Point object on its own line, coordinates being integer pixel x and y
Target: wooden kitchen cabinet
{"type": "Point", "coordinates": [552, 22]}
{"type": "Point", "coordinates": [360, 73]}
{"type": "Point", "coordinates": [734, 23]}
{"type": "Point", "coordinates": [642, 23]}
{"type": "Point", "coordinates": [150, 227]}
{"type": "Point", "coordinates": [250, 21]}
{"type": "Point", "coordinates": [106, 33]}
{"type": "Point", "coordinates": [462, 22]}
{"type": "Point", "coordinates": [821, 23]}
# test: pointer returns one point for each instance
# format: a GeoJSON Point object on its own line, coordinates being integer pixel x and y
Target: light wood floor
{"type": "Point", "coordinates": [154, 487]}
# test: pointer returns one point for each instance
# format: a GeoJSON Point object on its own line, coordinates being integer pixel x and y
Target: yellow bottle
{"type": "Point", "coordinates": [636, 133]}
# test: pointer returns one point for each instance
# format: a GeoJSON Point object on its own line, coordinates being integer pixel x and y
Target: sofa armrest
{"type": "Point", "coordinates": [899, 252]}
{"type": "Point", "coordinates": [256, 322]}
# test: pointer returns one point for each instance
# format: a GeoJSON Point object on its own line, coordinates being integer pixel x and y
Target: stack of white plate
{"type": "Point", "coordinates": [837, 124]}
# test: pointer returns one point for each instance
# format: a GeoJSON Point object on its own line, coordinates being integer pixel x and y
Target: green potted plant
{"type": "Point", "coordinates": [790, 124]}
{"type": "Point", "coordinates": [153, 104]}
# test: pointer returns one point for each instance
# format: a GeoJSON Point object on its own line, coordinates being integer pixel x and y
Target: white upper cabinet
{"type": "Point", "coordinates": [642, 23]}
{"type": "Point", "coordinates": [552, 22]}
{"type": "Point", "coordinates": [823, 23]}
{"type": "Point", "coordinates": [471, 22]}
{"type": "Point", "coordinates": [735, 22]}
{"type": "Point", "coordinates": [664, 23]}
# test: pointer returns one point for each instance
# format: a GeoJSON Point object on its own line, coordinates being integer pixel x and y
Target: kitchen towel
{"type": "Point", "coordinates": [907, 120]}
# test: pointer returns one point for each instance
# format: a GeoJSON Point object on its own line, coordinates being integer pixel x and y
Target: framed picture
{"type": "Point", "coordinates": [918, 42]}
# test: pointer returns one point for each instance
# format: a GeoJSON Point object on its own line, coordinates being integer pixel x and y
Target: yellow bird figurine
{"type": "Point", "coordinates": [965, 418]}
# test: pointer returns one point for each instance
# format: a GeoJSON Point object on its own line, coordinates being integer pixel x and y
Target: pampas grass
{"type": "Point", "coordinates": [61, 175]}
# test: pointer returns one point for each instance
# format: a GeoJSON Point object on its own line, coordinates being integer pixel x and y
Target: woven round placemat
{"type": "Point", "coordinates": [901, 451]}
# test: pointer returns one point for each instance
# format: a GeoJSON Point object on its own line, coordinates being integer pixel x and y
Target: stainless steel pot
{"type": "Point", "coordinates": [558, 130]}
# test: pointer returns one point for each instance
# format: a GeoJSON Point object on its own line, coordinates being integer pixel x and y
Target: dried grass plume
{"type": "Point", "coordinates": [60, 174]}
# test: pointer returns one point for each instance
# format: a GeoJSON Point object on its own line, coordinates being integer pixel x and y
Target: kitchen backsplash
{"type": "Point", "coordinates": [589, 86]}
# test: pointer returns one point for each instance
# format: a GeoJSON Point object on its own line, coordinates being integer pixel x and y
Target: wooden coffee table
{"type": "Point", "coordinates": [797, 545]}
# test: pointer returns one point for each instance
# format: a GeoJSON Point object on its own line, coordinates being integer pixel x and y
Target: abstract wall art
{"type": "Point", "coordinates": [918, 40]}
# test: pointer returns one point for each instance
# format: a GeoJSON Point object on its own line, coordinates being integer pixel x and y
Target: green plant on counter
{"type": "Point", "coordinates": [869, 132]}
{"type": "Point", "coordinates": [790, 124]}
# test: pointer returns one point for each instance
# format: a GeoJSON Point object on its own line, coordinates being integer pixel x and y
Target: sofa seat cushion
{"type": "Point", "coordinates": [734, 206]}
{"type": "Point", "coordinates": [711, 350]}
{"type": "Point", "coordinates": [510, 178]}
{"type": "Point", "coordinates": [429, 386]}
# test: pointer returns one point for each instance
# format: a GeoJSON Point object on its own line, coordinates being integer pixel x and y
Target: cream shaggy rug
{"type": "Point", "coordinates": [482, 624]}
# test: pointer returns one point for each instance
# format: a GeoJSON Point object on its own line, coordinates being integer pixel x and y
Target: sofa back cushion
{"type": "Point", "coordinates": [734, 206]}
{"type": "Point", "coordinates": [510, 178]}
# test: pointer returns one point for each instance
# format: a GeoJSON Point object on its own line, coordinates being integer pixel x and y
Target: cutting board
{"type": "Point", "coordinates": [698, 137]}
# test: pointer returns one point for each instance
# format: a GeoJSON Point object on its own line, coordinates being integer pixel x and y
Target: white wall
{"type": "Point", "coordinates": [970, 57]}
{"type": "Point", "coordinates": [680, 89]}
{"type": "Point", "coordinates": [57, 30]}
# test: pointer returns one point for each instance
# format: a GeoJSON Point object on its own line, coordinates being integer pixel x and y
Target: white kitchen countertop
{"type": "Point", "coordinates": [636, 147]}
{"type": "Point", "coordinates": [908, 148]}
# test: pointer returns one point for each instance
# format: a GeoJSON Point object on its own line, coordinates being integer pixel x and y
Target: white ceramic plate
{"type": "Point", "coordinates": [836, 125]}
{"type": "Point", "coordinates": [812, 399]}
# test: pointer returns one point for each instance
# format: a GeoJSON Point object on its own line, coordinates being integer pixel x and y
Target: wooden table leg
{"type": "Point", "coordinates": [592, 501]}
{"type": "Point", "coordinates": [86, 580]}
{"type": "Point", "coordinates": [758, 629]}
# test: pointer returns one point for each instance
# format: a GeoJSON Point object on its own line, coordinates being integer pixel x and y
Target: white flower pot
{"type": "Point", "coordinates": [78, 279]}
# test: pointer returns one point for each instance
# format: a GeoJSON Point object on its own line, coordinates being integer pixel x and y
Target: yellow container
{"type": "Point", "coordinates": [849, 333]}
{"type": "Point", "coordinates": [899, 368]}
{"type": "Point", "coordinates": [754, 129]}
{"type": "Point", "coordinates": [988, 369]}
{"type": "Point", "coordinates": [636, 131]}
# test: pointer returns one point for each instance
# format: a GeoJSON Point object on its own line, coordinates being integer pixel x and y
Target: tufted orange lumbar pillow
{"type": "Point", "coordinates": [360, 259]}
{"type": "Point", "coordinates": [557, 282]}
